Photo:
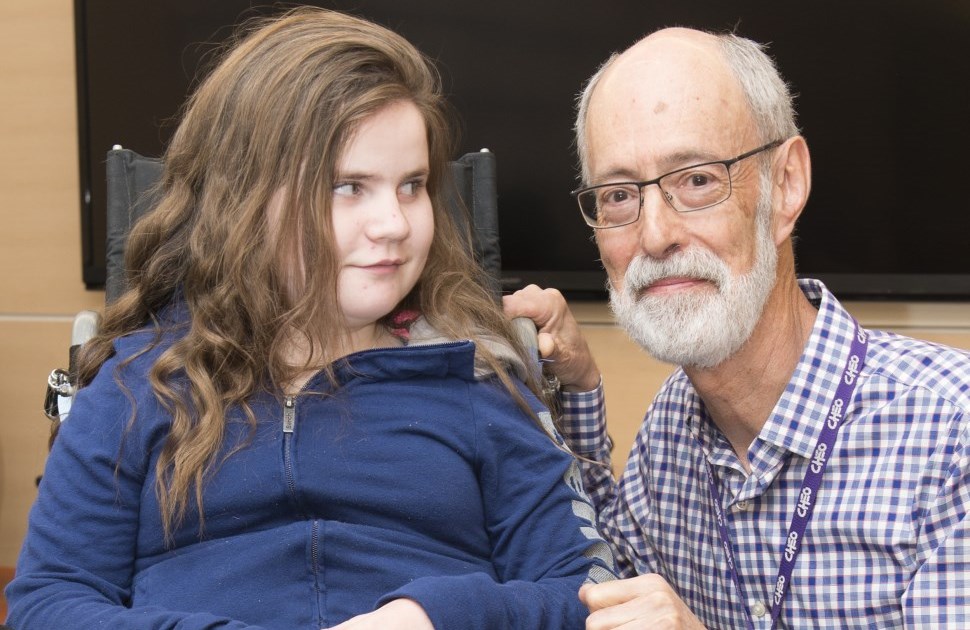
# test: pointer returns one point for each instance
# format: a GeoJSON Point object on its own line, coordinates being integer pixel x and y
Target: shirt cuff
{"type": "Point", "coordinates": [584, 420]}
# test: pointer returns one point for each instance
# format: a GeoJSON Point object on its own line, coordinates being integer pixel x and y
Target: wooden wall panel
{"type": "Point", "coordinates": [31, 349]}
{"type": "Point", "coordinates": [40, 243]}
{"type": "Point", "coordinates": [40, 254]}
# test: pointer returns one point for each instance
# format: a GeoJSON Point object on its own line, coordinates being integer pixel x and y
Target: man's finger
{"type": "Point", "coordinates": [598, 596]}
{"type": "Point", "coordinates": [547, 345]}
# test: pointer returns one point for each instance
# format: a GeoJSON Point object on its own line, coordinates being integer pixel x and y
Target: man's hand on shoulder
{"type": "Point", "coordinates": [560, 339]}
{"type": "Point", "coordinates": [645, 601]}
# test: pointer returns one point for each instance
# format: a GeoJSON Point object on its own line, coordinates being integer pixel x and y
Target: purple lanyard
{"type": "Point", "coordinates": [810, 485]}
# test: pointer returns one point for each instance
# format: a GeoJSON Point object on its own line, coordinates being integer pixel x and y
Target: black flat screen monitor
{"type": "Point", "coordinates": [881, 93]}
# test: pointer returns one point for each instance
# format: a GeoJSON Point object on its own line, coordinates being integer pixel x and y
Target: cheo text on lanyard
{"type": "Point", "coordinates": [810, 485]}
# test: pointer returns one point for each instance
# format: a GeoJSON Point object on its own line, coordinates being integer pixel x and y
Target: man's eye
{"type": "Point", "coordinates": [699, 179]}
{"type": "Point", "coordinates": [615, 196]}
{"type": "Point", "coordinates": [696, 178]}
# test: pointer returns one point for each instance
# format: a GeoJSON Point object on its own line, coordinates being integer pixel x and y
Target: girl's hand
{"type": "Point", "coordinates": [403, 614]}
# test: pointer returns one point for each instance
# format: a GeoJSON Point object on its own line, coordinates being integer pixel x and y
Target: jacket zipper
{"type": "Point", "coordinates": [289, 424]}
{"type": "Point", "coordinates": [318, 587]}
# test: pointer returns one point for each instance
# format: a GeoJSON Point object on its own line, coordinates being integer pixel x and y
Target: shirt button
{"type": "Point", "coordinates": [758, 610]}
{"type": "Point", "coordinates": [742, 506]}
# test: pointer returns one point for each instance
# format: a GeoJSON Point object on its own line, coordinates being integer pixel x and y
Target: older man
{"type": "Point", "coordinates": [797, 470]}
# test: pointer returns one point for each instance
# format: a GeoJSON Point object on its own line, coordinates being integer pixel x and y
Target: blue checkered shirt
{"type": "Point", "coordinates": [889, 543]}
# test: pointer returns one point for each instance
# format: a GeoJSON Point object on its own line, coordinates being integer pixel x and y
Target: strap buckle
{"type": "Point", "coordinates": [58, 385]}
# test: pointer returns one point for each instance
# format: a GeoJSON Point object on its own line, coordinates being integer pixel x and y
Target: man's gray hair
{"type": "Point", "coordinates": [769, 99]}
{"type": "Point", "coordinates": [582, 111]}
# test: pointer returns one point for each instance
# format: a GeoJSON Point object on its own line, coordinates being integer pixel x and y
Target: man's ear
{"type": "Point", "coordinates": [791, 181]}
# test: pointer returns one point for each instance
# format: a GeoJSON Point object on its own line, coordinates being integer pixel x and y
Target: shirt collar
{"type": "Point", "coordinates": [799, 415]}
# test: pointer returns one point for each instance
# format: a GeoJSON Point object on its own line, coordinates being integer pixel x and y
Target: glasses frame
{"type": "Point", "coordinates": [641, 185]}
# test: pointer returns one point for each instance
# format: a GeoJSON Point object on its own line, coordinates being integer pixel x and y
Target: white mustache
{"type": "Point", "coordinates": [696, 262]}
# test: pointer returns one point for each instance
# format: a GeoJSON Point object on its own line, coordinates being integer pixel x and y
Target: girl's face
{"type": "Point", "coordinates": [382, 216]}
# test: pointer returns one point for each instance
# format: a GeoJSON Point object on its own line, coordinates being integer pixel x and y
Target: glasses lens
{"type": "Point", "coordinates": [697, 187]}
{"type": "Point", "coordinates": [611, 204]}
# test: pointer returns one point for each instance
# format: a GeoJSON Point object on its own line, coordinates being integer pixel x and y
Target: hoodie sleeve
{"type": "Point", "coordinates": [76, 565]}
{"type": "Point", "coordinates": [541, 524]}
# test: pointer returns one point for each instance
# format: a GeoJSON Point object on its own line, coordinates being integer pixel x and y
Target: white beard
{"type": "Point", "coordinates": [697, 328]}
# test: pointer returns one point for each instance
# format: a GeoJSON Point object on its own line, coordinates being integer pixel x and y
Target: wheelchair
{"type": "Point", "coordinates": [132, 191]}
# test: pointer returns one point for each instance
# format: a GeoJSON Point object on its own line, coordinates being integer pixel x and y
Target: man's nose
{"type": "Point", "coordinates": [661, 228]}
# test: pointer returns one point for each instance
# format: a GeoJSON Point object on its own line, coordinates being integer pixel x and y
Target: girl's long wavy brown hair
{"type": "Point", "coordinates": [274, 115]}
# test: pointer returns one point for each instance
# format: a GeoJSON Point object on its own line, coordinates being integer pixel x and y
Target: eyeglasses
{"type": "Point", "coordinates": [687, 189]}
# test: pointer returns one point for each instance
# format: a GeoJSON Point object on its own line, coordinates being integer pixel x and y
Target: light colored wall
{"type": "Point", "coordinates": [41, 288]}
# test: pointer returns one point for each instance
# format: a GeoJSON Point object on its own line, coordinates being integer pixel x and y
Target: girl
{"type": "Point", "coordinates": [305, 411]}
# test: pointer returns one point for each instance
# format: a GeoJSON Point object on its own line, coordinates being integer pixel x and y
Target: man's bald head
{"type": "Point", "coordinates": [690, 60]}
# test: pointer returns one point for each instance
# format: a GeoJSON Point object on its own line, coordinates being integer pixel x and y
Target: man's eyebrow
{"type": "Point", "coordinates": [680, 159]}
{"type": "Point", "coordinates": [614, 175]}
{"type": "Point", "coordinates": [666, 163]}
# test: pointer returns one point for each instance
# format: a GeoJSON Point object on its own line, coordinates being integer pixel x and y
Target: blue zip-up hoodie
{"type": "Point", "coordinates": [411, 479]}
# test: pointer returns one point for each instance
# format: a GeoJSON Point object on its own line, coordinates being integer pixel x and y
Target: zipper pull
{"type": "Point", "coordinates": [289, 414]}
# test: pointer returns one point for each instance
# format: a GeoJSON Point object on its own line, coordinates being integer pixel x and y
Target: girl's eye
{"type": "Point", "coordinates": [347, 189]}
{"type": "Point", "coordinates": [413, 187]}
